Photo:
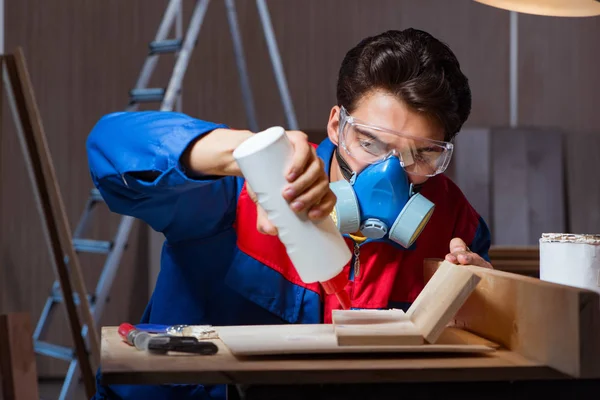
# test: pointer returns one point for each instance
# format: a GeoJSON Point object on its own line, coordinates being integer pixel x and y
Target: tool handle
{"type": "Point", "coordinates": [152, 328]}
{"type": "Point", "coordinates": [124, 330]}
{"type": "Point", "coordinates": [165, 344]}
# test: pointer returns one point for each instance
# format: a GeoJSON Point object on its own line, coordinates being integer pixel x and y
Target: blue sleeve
{"type": "Point", "coordinates": [134, 160]}
{"type": "Point", "coordinates": [482, 240]}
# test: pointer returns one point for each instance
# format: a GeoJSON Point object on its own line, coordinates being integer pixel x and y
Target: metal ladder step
{"type": "Point", "coordinates": [53, 350]}
{"type": "Point", "coordinates": [57, 297]}
{"type": "Point", "coordinates": [165, 46]}
{"type": "Point", "coordinates": [96, 196]}
{"type": "Point", "coordinates": [146, 95]}
{"type": "Point", "coordinates": [92, 246]}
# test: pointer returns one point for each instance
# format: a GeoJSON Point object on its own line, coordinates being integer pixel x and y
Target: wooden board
{"type": "Point", "coordinates": [441, 298]}
{"type": "Point", "coordinates": [320, 339]}
{"type": "Point", "coordinates": [122, 364]}
{"type": "Point", "coordinates": [426, 318]}
{"type": "Point", "coordinates": [514, 178]}
{"type": "Point", "coordinates": [472, 168]}
{"type": "Point", "coordinates": [523, 260]}
{"type": "Point", "coordinates": [553, 324]}
{"type": "Point", "coordinates": [510, 201]}
{"type": "Point", "coordinates": [18, 372]}
{"type": "Point", "coordinates": [374, 327]}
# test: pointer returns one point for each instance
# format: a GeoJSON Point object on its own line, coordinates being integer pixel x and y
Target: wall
{"type": "Point", "coordinates": [85, 55]}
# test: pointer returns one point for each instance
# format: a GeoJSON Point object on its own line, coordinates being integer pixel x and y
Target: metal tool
{"type": "Point", "coordinates": [184, 344]}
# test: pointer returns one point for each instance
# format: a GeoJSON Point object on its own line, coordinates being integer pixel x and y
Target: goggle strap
{"type": "Point", "coordinates": [344, 167]}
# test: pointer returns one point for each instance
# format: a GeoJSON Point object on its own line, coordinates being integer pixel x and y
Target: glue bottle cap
{"type": "Point", "coordinates": [124, 329]}
{"type": "Point", "coordinates": [337, 285]}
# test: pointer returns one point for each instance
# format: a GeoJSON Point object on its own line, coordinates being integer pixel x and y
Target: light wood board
{"type": "Point", "coordinates": [441, 298]}
{"type": "Point", "coordinates": [321, 339]}
{"type": "Point", "coordinates": [553, 324]}
{"type": "Point", "coordinates": [374, 327]}
{"type": "Point", "coordinates": [18, 372]}
{"type": "Point", "coordinates": [425, 320]}
{"type": "Point", "coordinates": [122, 364]}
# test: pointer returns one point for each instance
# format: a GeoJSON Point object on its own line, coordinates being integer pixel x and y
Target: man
{"type": "Point", "coordinates": [401, 98]}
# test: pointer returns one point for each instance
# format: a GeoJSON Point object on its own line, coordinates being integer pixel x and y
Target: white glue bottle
{"type": "Point", "coordinates": [316, 248]}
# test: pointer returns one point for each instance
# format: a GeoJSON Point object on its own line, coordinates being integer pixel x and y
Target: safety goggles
{"type": "Point", "coordinates": [371, 144]}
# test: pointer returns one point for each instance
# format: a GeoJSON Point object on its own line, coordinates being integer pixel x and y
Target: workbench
{"type": "Point", "coordinates": [548, 333]}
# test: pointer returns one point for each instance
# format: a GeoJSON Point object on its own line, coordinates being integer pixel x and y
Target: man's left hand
{"type": "Point", "coordinates": [461, 254]}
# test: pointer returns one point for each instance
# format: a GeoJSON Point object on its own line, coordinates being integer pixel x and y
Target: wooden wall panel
{"type": "Point", "coordinates": [85, 55]}
{"type": "Point", "coordinates": [472, 172]}
{"type": "Point", "coordinates": [313, 37]}
{"type": "Point", "coordinates": [560, 87]}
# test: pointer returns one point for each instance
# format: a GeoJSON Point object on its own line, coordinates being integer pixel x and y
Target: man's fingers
{"type": "Point", "coordinates": [457, 244]}
{"type": "Point", "coordinates": [311, 196]}
{"type": "Point", "coordinates": [305, 181]}
{"type": "Point", "coordinates": [324, 207]}
{"type": "Point", "coordinates": [451, 258]}
{"type": "Point", "coordinates": [263, 225]}
{"type": "Point", "coordinates": [302, 154]}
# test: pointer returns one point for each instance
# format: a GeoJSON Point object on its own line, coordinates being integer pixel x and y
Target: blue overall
{"type": "Point", "coordinates": [204, 279]}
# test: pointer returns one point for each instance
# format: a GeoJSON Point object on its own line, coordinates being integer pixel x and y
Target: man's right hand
{"type": "Point", "coordinates": [308, 185]}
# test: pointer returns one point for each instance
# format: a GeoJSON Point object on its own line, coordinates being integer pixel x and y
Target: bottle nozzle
{"type": "Point", "coordinates": [336, 285]}
{"type": "Point", "coordinates": [344, 299]}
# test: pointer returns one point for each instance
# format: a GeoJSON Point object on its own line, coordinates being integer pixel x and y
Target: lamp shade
{"type": "Point", "coordinates": [557, 8]}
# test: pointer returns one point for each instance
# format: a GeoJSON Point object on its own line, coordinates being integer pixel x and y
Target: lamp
{"type": "Point", "coordinates": [556, 8]}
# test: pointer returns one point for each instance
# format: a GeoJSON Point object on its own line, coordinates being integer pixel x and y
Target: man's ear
{"type": "Point", "coordinates": [333, 125]}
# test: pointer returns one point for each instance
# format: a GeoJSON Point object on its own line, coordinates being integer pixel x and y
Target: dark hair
{"type": "Point", "coordinates": [413, 65]}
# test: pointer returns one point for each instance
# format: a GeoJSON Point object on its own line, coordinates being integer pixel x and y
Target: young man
{"type": "Point", "coordinates": [401, 98]}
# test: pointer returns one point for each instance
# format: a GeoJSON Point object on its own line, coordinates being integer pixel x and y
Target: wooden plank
{"type": "Point", "coordinates": [18, 371]}
{"type": "Point", "coordinates": [122, 364]}
{"type": "Point", "coordinates": [319, 339]}
{"type": "Point", "coordinates": [472, 169]}
{"type": "Point", "coordinates": [545, 182]}
{"type": "Point", "coordinates": [441, 298]}
{"type": "Point", "coordinates": [556, 325]}
{"type": "Point", "coordinates": [510, 201]}
{"type": "Point", "coordinates": [515, 252]}
{"type": "Point", "coordinates": [51, 207]}
{"type": "Point", "coordinates": [523, 260]}
{"type": "Point", "coordinates": [375, 327]}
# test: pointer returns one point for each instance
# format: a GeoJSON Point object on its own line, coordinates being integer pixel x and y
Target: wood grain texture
{"type": "Point", "coordinates": [278, 340]}
{"type": "Point", "coordinates": [374, 327]}
{"type": "Point", "coordinates": [52, 212]}
{"type": "Point", "coordinates": [440, 299]}
{"type": "Point", "coordinates": [472, 170]}
{"type": "Point", "coordinates": [553, 324]}
{"type": "Point", "coordinates": [18, 372]}
{"type": "Point", "coordinates": [123, 364]}
{"type": "Point", "coordinates": [527, 184]}
{"type": "Point", "coordinates": [84, 56]}
{"type": "Point", "coordinates": [510, 201]}
{"type": "Point", "coordinates": [558, 65]}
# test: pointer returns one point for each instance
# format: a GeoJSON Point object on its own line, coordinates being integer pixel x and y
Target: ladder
{"type": "Point", "coordinates": [169, 99]}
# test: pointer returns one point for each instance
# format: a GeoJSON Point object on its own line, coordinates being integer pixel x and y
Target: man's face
{"type": "Point", "coordinates": [385, 111]}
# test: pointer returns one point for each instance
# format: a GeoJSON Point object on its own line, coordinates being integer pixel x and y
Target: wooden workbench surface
{"type": "Point", "coordinates": [124, 364]}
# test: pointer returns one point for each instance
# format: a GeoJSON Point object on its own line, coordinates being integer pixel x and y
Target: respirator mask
{"type": "Point", "coordinates": [380, 202]}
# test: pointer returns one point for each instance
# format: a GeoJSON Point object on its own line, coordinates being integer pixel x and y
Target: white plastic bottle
{"type": "Point", "coordinates": [316, 248]}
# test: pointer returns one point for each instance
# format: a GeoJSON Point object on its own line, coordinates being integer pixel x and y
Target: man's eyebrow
{"type": "Point", "coordinates": [370, 135]}
{"type": "Point", "coordinates": [433, 148]}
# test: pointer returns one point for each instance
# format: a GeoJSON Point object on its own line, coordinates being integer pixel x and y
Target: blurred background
{"type": "Point", "coordinates": [85, 55]}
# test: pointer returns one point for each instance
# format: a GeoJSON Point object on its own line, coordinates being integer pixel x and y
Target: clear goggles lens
{"type": "Point", "coordinates": [370, 144]}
